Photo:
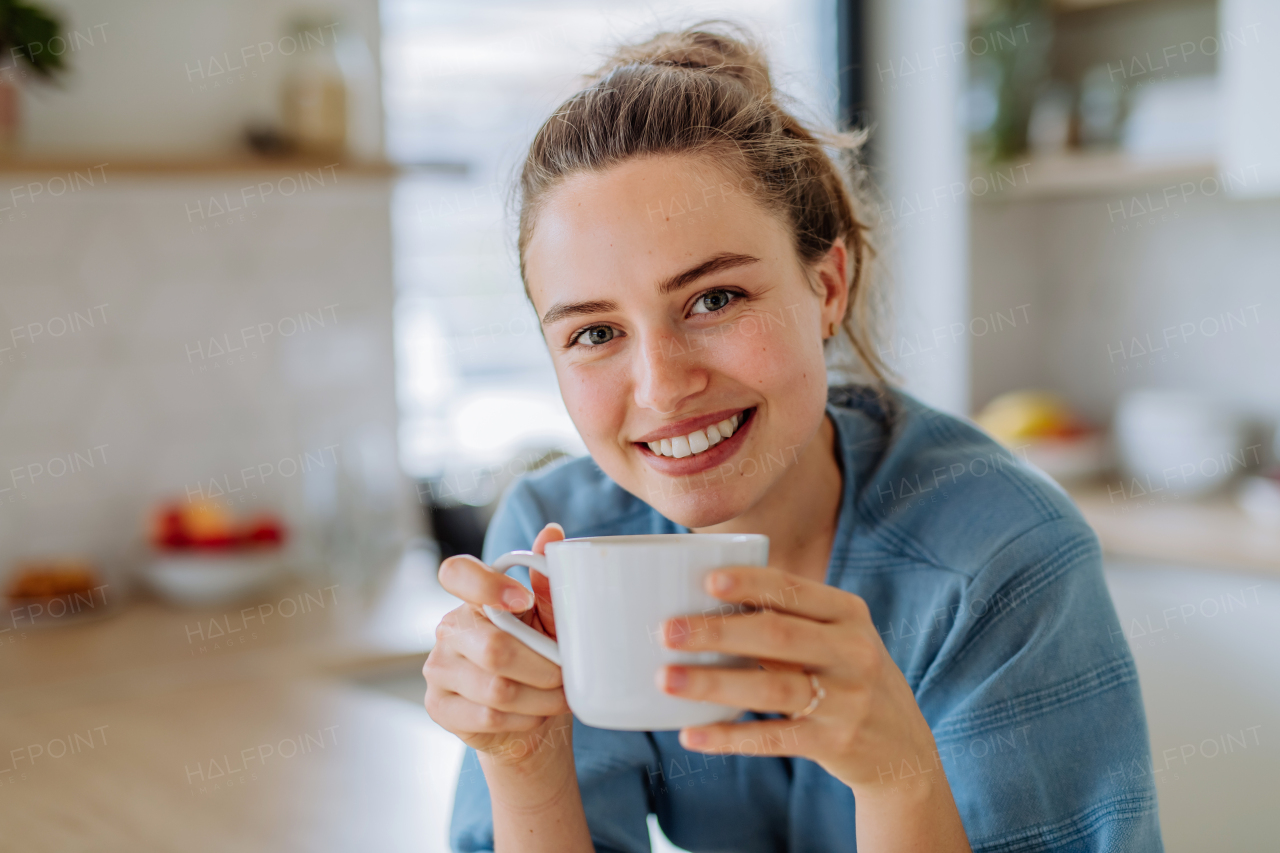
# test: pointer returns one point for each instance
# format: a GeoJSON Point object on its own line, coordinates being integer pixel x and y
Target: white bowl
{"type": "Point", "coordinates": [1067, 460]}
{"type": "Point", "coordinates": [207, 579]}
{"type": "Point", "coordinates": [1187, 443]}
{"type": "Point", "coordinates": [1259, 497]}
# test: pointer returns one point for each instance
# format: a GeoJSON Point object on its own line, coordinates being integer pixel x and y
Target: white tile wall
{"type": "Point", "coordinates": [301, 286]}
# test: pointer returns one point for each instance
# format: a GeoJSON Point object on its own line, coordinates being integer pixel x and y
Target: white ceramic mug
{"type": "Point", "coordinates": [611, 595]}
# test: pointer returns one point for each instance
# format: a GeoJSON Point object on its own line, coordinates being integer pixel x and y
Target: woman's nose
{"type": "Point", "coordinates": [667, 374]}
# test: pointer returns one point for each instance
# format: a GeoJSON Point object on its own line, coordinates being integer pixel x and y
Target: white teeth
{"type": "Point", "coordinates": [697, 441]}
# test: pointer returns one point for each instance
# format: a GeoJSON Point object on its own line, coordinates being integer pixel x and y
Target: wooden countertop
{"type": "Point", "coordinates": [194, 168]}
{"type": "Point", "coordinates": [161, 729]}
{"type": "Point", "coordinates": [1212, 532]}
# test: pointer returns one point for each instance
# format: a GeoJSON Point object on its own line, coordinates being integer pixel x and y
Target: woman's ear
{"type": "Point", "coordinates": [832, 281]}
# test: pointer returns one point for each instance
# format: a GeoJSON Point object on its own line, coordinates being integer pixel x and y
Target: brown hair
{"type": "Point", "coordinates": [706, 90]}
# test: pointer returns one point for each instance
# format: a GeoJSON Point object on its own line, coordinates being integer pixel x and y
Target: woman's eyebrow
{"type": "Point", "coordinates": [716, 263]}
{"type": "Point", "coordinates": [561, 310]}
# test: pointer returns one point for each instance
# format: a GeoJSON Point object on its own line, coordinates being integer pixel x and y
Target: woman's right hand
{"type": "Point", "coordinates": [488, 688]}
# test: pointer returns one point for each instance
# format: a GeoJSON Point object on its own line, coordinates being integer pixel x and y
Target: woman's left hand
{"type": "Point", "coordinates": [867, 731]}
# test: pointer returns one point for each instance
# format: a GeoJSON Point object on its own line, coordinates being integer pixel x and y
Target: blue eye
{"type": "Point", "coordinates": [713, 301]}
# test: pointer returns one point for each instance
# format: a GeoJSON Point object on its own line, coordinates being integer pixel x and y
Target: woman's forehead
{"type": "Point", "coordinates": [643, 220]}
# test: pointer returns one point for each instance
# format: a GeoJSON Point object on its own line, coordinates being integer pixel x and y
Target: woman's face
{"type": "Point", "coordinates": [685, 333]}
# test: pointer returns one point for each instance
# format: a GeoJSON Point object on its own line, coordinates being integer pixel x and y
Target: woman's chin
{"type": "Point", "coordinates": [706, 508]}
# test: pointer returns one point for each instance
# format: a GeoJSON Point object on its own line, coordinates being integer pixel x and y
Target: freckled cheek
{"type": "Point", "coordinates": [597, 403]}
{"type": "Point", "coordinates": [763, 361]}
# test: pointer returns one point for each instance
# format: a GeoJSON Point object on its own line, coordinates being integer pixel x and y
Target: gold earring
{"type": "Point", "coordinates": [831, 330]}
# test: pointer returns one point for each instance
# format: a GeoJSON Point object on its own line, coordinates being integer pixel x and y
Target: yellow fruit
{"type": "Point", "coordinates": [1020, 415]}
{"type": "Point", "coordinates": [205, 520]}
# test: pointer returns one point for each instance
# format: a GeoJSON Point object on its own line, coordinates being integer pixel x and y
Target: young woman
{"type": "Point", "coordinates": [948, 672]}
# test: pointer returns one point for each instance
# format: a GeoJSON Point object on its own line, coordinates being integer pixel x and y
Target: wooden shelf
{"type": "Point", "coordinates": [1079, 5]}
{"type": "Point", "coordinates": [169, 168]}
{"type": "Point", "coordinates": [1083, 175]}
{"type": "Point", "coordinates": [978, 10]}
{"type": "Point", "coordinates": [1213, 532]}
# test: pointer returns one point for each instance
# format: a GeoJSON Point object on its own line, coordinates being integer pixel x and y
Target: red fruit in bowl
{"type": "Point", "coordinates": [263, 530]}
{"type": "Point", "coordinates": [207, 526]}
{"type": "Point", "coordinates": [176, 539]}
{"type": "Point", "coordinates": [215, 541]}
{"type": "Point", "coordinates": [167, 529]}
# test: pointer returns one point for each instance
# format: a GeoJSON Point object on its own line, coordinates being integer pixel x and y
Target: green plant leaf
{"type": "Point", "coordinates": [29, 32]}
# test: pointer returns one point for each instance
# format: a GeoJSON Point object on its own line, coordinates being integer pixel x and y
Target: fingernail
{"type": "Point", "coordinates": [677, 677]}
{"type": "Point", "coordinates": [693, 737]}
{"type": "Point", "coordinates": [517, 599]}
{"type": "Point", "coordinates": [557, 526]}
{"type": "Point", "coordinates": [721, 582]}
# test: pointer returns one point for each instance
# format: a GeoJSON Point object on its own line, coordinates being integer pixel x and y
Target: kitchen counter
{"type": "Point", "coordinates": [238, 728]}
{"type": "Point", "coordinates": [1212, 532]}
{"type": "Point", "coordinates": [243, 729]}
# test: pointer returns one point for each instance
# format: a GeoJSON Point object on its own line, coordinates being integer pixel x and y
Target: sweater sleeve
{"type": "Point", "coordinates": [1035, 705]}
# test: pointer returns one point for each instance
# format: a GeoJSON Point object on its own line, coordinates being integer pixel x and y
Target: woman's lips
{"type": "Point", "coordinates": [707, 459]}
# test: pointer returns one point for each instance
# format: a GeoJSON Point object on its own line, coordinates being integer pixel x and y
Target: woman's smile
{"type": "Point", "coordinates": [696, 444]}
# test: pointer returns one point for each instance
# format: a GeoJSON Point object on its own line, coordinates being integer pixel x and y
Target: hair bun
{"type": "Point", "coordinates": [716, 47]}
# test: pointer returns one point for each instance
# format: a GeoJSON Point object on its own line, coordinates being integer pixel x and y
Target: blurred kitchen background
{"type": "Point", "coordinates": [262, 334]}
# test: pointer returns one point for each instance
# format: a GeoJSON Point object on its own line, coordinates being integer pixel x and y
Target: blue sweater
{"type": "Point", "coordinates": [987, 588]}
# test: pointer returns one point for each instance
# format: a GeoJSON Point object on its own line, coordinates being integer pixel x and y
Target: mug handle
{"type": "Point", "coordinates": [509, 622]}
